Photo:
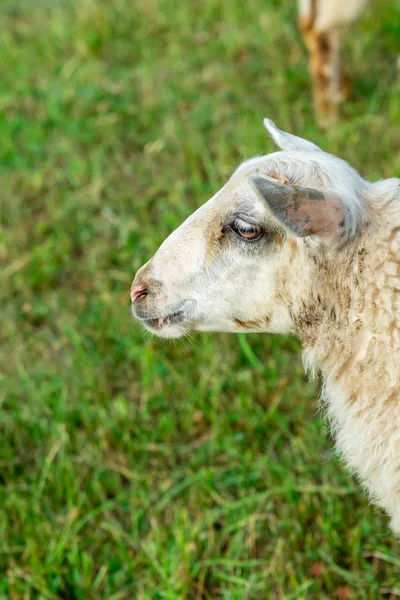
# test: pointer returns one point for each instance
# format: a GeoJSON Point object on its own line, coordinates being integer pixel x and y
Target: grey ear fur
{"type": "Point", "coordinates": [303, 210]}
{"type": "Point", "coordinates": [287, 141]}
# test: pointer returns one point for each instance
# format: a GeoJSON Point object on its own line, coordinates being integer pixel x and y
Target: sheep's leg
{"type": "Point", "coordinates": [324, 63]}
{"type": "Point", "coordinates": [323, 47]}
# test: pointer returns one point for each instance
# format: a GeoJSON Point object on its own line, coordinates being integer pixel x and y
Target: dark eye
{"type": "Point", "coordinates": [245, 230]}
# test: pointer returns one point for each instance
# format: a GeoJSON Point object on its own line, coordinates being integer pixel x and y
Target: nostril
{"type": "Point", "coordinates": [138, 293]}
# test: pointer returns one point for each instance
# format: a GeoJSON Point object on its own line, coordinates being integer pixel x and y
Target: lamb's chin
{"type": "Point", "coordinates": [172, 331]}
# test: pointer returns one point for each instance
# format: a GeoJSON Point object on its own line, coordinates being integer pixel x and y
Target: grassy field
{"type": "Point", "coordinates": [132, 468]}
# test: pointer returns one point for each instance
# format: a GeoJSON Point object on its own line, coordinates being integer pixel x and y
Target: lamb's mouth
{"type": "Point", "coordinates": [172, 319]}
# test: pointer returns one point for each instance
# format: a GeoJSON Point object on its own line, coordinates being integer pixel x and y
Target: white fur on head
{"type": "Point", "coordinates": [287, 141]}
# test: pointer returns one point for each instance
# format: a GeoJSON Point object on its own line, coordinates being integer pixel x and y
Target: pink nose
{"type": "Point", "coordinates": [138, 292]}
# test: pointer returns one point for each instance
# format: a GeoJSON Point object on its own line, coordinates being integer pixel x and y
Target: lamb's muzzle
{"type": "Point", "coordinates": [297, 242]}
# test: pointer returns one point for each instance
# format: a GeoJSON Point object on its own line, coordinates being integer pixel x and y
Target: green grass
{"type": "Point", "coordinates": [132, 468]}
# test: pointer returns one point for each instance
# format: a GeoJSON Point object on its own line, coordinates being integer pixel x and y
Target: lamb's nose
{"type": "Point", "coordinates": [138, 293]}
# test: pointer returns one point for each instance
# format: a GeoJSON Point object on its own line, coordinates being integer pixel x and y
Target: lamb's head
{"type": "Point", "coordinates": [239, 263]}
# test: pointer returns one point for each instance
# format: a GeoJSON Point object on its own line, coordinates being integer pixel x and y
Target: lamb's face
{"type": "Point", "coordinates": [218, 270]}
{"type": "Point", "coordinates": [232, 264]}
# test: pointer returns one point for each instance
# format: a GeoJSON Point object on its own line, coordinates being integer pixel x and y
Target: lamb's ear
{"type": "Point", "coordinates": [287, 141]}
{"type": "Point", "coordinates": [305, 211]}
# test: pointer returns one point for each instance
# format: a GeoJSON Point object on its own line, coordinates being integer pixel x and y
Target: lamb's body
{"type": "Point", "coordinates": [322, 262]}
{"type": "Point", "coordinates": [356, 345]}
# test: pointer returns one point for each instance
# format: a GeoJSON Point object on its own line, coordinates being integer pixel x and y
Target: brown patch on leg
{"type": "Point", "coordinates": [323, 61]}
{"type": "Point", "coordinates": [321, 58]}
{"type": "Point", "coordinates": [306, 24]}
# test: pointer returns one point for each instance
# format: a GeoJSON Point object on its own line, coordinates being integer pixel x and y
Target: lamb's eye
{"type": "Point", "coordinates": [245, 230]}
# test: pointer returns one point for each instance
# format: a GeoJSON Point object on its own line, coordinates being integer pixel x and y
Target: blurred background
{"type": "Point", "coordinates": [132, 468]}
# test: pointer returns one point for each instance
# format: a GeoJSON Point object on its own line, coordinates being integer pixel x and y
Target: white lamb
{"type": "Point", "coordinates": [297, 242]}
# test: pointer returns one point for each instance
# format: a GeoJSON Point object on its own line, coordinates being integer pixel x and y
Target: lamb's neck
{"type": "Point", "coordinates": [324, 317]}
{"type": "Point", "coordinates": [351, 318]}
{"type": "Point", "coordinates": [335, 327]}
